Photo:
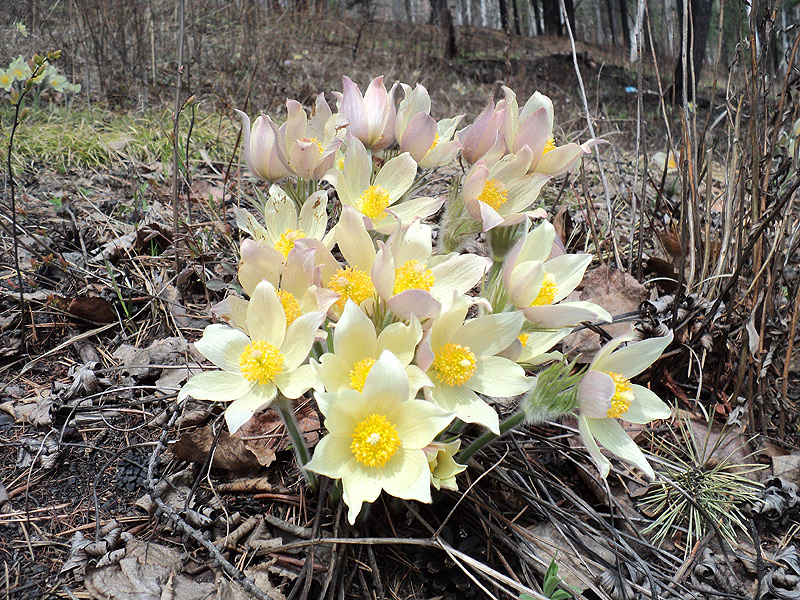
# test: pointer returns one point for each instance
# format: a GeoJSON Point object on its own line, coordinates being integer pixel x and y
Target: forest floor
{"type": "Point", "coordinates": [87, 399]}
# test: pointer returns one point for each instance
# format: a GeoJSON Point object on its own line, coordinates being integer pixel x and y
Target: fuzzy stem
{"type": "Point", "coordinates": [511, 422]}
{"type": "Point", "coordinates": [284, 407]}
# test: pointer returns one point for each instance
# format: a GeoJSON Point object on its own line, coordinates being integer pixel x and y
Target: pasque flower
{"type": "Point", "coordinates": [262, 148]}
{"type": "Point", "coordinates": [532, 126]}
{"type": "Point", "coordinates": [430, 143]}
{"type": "Point", "coordinates": [483, 139]}
{"type": "Point", "coordinates": [413, 281]}
{"type": "Point", "coordinates": [357, 348]}
{"type": "Point", "coordinates": [499, 195]}
{"type": "Point", "coordinates": [537, 284]}
{"type": "Point", "coordinates": [310, 142]}
{"type": "Point", "coordinates": [372, 115]}
{"type": "Point", "coordinates": [283, 224]}
{"type": "Point", "coordinates": [443, 466]}
{"type": "Point", "coordinates": [461, 360]}
{"type": "Point", "coordinates": [606, 394]}
{"type": "Point", "coordinates": [376, 438]}
{"type": "Point", "coordinates": [375, 198]}
{"type": "Point", "coordinates": [255, 367]}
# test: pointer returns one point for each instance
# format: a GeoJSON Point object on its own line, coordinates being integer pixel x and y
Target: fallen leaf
{"type": "Point", "coordinates": [230, 453]}
{"type": "Point", "coordinates": [616, 291]}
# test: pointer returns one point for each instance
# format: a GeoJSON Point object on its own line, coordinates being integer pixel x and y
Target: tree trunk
{"type": "Point", "coordinates": [695, 48]}
{"type": "Point", "coordinates": [569, 5]}
{"type": "Point", "coordinates": [517, 25]}
{"type": "Point", "coordinates": [504, 15]}
{"type": "Point", "coordinates": [537, 17]}
{"type": "Point", "coordinates": [598, 17]}
{"type": "Point", "coordinates": [623, 14]}
{"type": "Point", "coordinates": [552, 20]}
{"type": "Point", "coordinates": [611, 22]}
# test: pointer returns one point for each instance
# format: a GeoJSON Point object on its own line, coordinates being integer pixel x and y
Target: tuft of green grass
{"type": "Point", "coordinates": [700, 486]}
{"type": "Point", "coordinates": [65, 138]}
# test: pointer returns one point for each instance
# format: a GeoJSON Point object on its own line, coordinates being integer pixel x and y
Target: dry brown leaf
{"type": "Point", "coordinates": [617, 292]}
{"type": "Point", "coordinates": [269, 433]}
{"type": "Point", "coordinates": [148, 571]}
{"type": "Point", "coordinates": [231, 452]}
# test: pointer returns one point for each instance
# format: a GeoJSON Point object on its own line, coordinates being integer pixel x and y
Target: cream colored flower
{"type": "Point", "coordinates": [262, 150]}
{"type": "Point", "coordinates": [19, 69]}
{"type": "Point", "coordinates": [501, 194]}
{"type": "Point", "coordinates": [372, 115]}
{"type": "Point", "coordinates": [376, 438]}
{"type": "Point", "coordinates": [413, 281]}
{"type": "Point", "coordinates": [443, 466]}
{"type": "Point", "coordinates": [297, 283]}
{"type": "Point", "coordinates": [461, 360]}
{"type": "Point", "coordinates": [483, 139]}
{"type": "Point", "coordinates": [532, 126]}
{"type": "Point", "coordinates": [284, 225]}
{"type": "Point", "coordinates": [255, 367]}
{"type": "Point", "coordinates": [375, 198]}
{"type": "Point", "coordinates": [309, 143]}
{"type": "Point", "coordinates": [430, 143]}
{"type": "Point", "coordinates": [606, 394]}
{"type": "Point", "coordinates": [537, 284]}
{"type": "Point", "coordinates": [357, 347]}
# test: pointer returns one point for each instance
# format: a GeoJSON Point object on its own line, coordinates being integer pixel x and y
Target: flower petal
{"type": "Point", "coordinates": [299, 339]}
{"type": "Point", "coordinates": [595, 392]}
{"type": "Point", "coordinates": [296, 382]}
{"type": "Point", "coordinates": [243, 409]}
{"type": "Point", "coordinates": [313, 216]}
{"type": "Point", "coordinates": [401, 340]}
{"type": "Point", "coordinates": [334, 372]}
{"type": "Point", "coordinates": [397, 175]}
{"type": "Point", "coordinates": [418, 422]}
{"type": "Point", "coordinates": [458, 273]}
{"type": "Point", "coordinates": [219, 386]}
{"type": "Point", "coordinates": [499, 377]}
{"type": "Point", "coordinates": [386, 381]}
{"type": "Point", "coordinates": [354, 242]}
{"type": "Point", "coordinates": [490, 334]}
{"type": "Point", "coordinates": [646, 407]}
{"type": "Point", "coordinates": [602, 463]}
{"type": "Point", "coordinates": [567, 271]}
{"type": "Point", "coordinates": [565, 314]}
{"type": "Point", "coordinates": [406, 475]}
{"type": "Point", "coordinates": [354, 336]}
{"type": "Point", "coordinates": [266, 319]}
{"type": "Point", "coordinates": [634, 358]}
{"type": "Point", "coordinates": [611, 435]}
{"type": "Point", "coordinates": [406, 211]}
{"type": "Point", "coordinates": [414, 303]}
{"type": "Point", "coordinates": [360, 484]}
{"type": "Point", "coordinates": [331, 457]}
{"type": "Point", "coordinates": [223, 346]}
{"type": "Point", "coordinates": [466, 404]}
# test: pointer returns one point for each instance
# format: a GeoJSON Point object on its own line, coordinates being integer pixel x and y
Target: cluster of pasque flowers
{"type": "Point", "coordinates": [381, 325]}
{"type": "Point", "coordinates": [49, 78]}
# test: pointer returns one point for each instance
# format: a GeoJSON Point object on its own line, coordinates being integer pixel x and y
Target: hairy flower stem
{"type": "Point", "coordinates": [284, 406]}
{"type": "Point", "coordinates": [510, 423]}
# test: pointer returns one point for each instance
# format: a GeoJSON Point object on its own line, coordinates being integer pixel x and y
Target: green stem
{"type": "Point", "coordinates": [511, 422]}
{"type": "Point", "coordinates": [284, 407]}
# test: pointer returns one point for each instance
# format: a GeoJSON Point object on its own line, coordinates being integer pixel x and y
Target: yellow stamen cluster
{"type": "Point", "coordinates": [373, 202]}
{"type": "Point", "coordinates": [285, 243]}
{"type": "Point", "coordinates": [550, 145]}
{"type": "Point", "coordinates": [435, 143]}
{"type": "Point", "coordinates": [315, 141]}
{"type": "Point", "coordinates": [352, 284]}
{"type": "Point", "coordinates": [260, 362]}
{"type": "Point", "coordinates": [454, 364]}
{"type": "Point", "coordinates": [523, 338]}
{"type": "Point", "coordinates": [494, 194]}
{"type": "Point", "coordinates": [375, 441]}
{"type": "Point", "coordinates": [291, 307]}
{"type": "Point", "coordinates": [547, 293]}
{"type": "Point", "coordinates": [622, 398]}
{"type": "Point", "coordinates": [412, 276]}
{"type": "Point", "coordinates": [359, 372]}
